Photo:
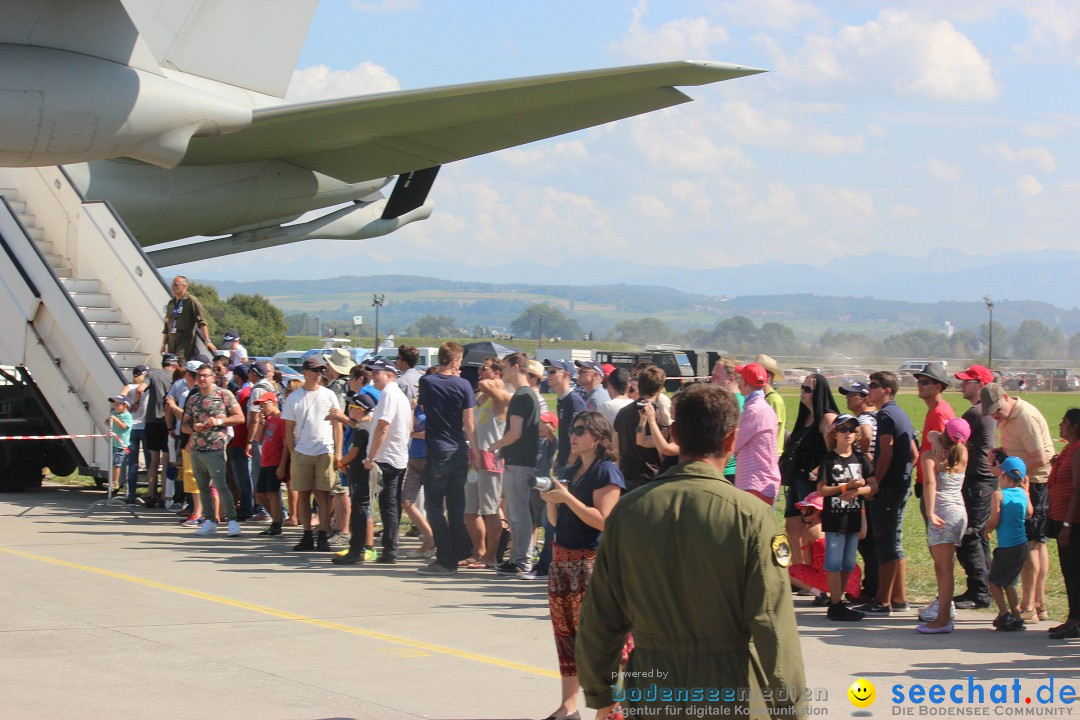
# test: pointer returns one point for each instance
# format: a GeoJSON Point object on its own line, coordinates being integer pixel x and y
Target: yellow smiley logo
{"type": "Point", "coordinates": [862, 693]}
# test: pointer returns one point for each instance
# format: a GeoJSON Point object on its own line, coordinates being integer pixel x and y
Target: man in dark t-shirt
{"type": "Point", "coordinates": [518, 447]}
{"type": "Point", "coordinates": [896, 452]}
{"type": "Point", "coordinates": [979, 486]}
{"type": "Point", "coordinates": [639, 464]}
{"type": "Point", "coordinates": [560, 373]}
{"type": "Point", "coordinates": [448, 401]}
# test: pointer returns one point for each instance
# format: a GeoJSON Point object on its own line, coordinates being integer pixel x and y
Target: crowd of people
{"type": "Point", "coordinates": [493, 480]}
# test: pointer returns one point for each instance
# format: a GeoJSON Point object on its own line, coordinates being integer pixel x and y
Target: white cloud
{"type": "Point", "coordinates": [385, 5]}
{"type": "Point", "coordinates": [777, 14]}
{"type": "Point", "coordinates": [685, 147]}
{"type": "Point", "coordinates": [1043, 131]}
{"type": "Point", "coordinates": [693, 195]}
{"type": "Point", "coordinates": [916, 57]}
{"type": "Point", "coordinates": [1053, 31]}
{"type": "Point", "coordinates": [1038, 157]}
{"type": "Point", "coordinates": [543, 155]}
{"type": "Point", "coordinates": [690, 38]}
{"type": "Point", "coordinates": [651, 207]}
{"type": "Point", "coordinates": [319, 82]}
{"type": "Point", "coordinates": [1028, 186]}
{"type": "Point", "coordinates": [903, 212]}
{"type": "Point", "coordinates": [771, 129]}
{"type": "Point", "coordinates": [943, 170]}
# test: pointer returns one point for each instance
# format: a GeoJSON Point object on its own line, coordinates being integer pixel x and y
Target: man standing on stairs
{"type": "Point", "coordinates": [185, 320]}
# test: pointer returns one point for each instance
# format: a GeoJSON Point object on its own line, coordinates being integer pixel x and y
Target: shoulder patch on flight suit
{"type": "Point", "coordinates": [781, 550]}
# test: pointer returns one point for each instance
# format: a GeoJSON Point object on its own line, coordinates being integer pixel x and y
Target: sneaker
{"type": "Point", "coordinates": [340, 539]}
{"type": "Point", "coordinates": [348, 558]}
{"type": "Point", "coordinates": [192, 522]}
{"type": "Point", "coordinates": [371, 554]}
{"type": "Point", "coordinates": [208, 528]}
{"type": "Point", "coordinates": [321, 543]}
{"type": "Point", "coordinates": [261, 516]}
{"type": "Point", "coordinates": [899, 606]}
{"type": "Point", "coordinates": [274, 529]}
{"type": "Point", "coordinates": [928, 613]}
{"type": "Point", "coordinates": [185, 510]}
{"type": "Point", "coordinates": [1001, 619]}
{"type": "Point", "coordinates": [842, 613]}
{"type": "Point", "coordinates": [875, 608]}
{"type": "Point", "coordinates": [1012, 624]}
{"type": "Point", "coordinates": [511, 569]}
{"type": "Point", "coordinates": [385, 559]}
{"type": "Point", "coordinates": [535, 574]}
{"type": "Point", "coordinates": [234, 529]}
{"type": "Point", "coordinates": [437, 570]}
{"type": "Point", "coordinates": [967, 602]}
{"type": "Point", "coordinates": [413, 532]}
{"type": "Point", "coordinates": [418, 554]}
{"type": "Point", "coordinates": [307, 542]}
{"type": "Point", "coordinates": [822, 600]}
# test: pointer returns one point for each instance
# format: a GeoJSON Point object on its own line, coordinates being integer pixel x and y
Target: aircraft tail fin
{"type": "Point", "coordinates": [253, 44]}
{"type": "Point", "coordinates": [410, 192]}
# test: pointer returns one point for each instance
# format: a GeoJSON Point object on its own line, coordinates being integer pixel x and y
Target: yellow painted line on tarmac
{"type": "Point", "coordinates": [413, 645]}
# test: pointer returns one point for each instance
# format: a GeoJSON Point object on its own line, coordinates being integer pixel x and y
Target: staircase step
{"type": "Point", "coordinates": [46, 248]}
{"type": "Point", "coordinates": [111, 329]}
{"type": "Point", "coordinates": [81, 285]}
{"type": "Point", "coordinates": [52, 259]}
{"type": "Point", "coordinates": [91, 300]}
{"type": "Point", "coordinates": [119, 344]}
{"type": "Point", "coordinates": [17, 206]}
{"type": "Point", "coordinates": [35, 233]}
{"type": "Point", "coordinates": [128, 360]}
{"type": "Point", "coordinates": [10, 193]}
{"type": "Point", "coordinates": [102, 315]}
{"type": "Point", "coordinates": [63, 272]}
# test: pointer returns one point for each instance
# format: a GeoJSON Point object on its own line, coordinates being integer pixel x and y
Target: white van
{"type": "Point", "coordinates": [290, 359]}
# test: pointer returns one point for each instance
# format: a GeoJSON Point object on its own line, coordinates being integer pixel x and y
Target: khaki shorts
{"type": "Point", "coordinates": [312, 472]}
{"type": "Point", "coordinates": [188, 475]}
{"type": "Point", "coordinates": [482, 497]}
{"type": "Point", "coordinates": [414, 478]}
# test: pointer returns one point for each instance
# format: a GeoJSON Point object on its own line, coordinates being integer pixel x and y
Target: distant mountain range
{"type": "Point", "coordinates": [1048, 276]}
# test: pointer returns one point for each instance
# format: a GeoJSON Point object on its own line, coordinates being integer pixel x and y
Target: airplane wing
{"type": "Point", "coordinates": [372, 136]}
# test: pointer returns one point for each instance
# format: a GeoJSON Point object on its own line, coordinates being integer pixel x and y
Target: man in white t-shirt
{"type": "Point", "coordinates": [237, 352]}
{"type": "Point", "coordinates": [389, 448]}
{"type": "Point", "coordinates": [315, 447]}
{"type": "Point", "coordinates": [617, 382]}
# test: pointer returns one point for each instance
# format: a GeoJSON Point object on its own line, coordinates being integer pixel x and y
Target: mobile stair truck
{"type": "Point", "coordinates": [80, 306]}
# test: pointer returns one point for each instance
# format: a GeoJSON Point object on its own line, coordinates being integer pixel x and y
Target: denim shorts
{"type": "Point", "coordinates": [840, 550]}
{"type": "Point", "coordinates": [119, 457]}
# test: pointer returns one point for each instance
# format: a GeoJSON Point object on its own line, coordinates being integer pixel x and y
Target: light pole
{"type": "Point", "coordinates": [540, 344]}
{"type": "Point", "coordinates": [377, 302]}
{"type": "Point", "coordinates": [990, 333]}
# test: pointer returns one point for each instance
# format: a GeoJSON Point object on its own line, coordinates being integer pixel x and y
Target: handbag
{"type": "Point", "coordinates": [789, 468]}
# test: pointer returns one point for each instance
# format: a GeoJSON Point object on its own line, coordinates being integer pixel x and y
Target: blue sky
{"type": "Point", "coordinates": [902, 128]}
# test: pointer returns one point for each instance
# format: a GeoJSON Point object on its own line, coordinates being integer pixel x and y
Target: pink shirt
{"type": "Point", "coordinates": [757, 466]}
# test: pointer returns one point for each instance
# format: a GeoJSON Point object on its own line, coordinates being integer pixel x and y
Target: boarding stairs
{"type": "Point", "coordinates": [80, 302]}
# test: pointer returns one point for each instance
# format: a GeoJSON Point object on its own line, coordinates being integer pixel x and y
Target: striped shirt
{"type": "Point", "coordinates": [757, 467]}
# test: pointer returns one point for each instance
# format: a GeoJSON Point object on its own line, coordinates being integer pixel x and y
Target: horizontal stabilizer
{"type": "Point", "coordinates": [410, 192]}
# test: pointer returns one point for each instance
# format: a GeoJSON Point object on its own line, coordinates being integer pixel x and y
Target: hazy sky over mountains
{"type": "Point", "coordinates": [901, 128]}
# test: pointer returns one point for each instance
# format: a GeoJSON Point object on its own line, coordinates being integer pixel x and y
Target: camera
{"type": "Point", "coordinates": [1000, 456]}
{"type": "Point", "coordinates": [543, 484]}
{"type": "Point", "coordinates": [640, 404]}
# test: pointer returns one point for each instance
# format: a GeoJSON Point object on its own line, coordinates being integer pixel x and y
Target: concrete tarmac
{"type": "Point", "coordinates": [113, 617]}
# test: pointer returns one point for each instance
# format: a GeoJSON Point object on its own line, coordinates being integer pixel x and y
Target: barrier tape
{"type": "Point", "coordinates": [64, 437]}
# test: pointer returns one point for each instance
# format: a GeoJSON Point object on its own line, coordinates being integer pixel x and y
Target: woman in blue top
{"type": "Point", "coordinates": [578, 507]}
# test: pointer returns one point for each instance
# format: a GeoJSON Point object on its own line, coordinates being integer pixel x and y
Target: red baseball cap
{"type": "Point", "coordinates": [754, 374]}
{"type": "Point", "coordinates": [550, 417]}
{"type": "Point", "coordinates": [608, 368]}
{"type": "Point", "coordinates": [977, 372]}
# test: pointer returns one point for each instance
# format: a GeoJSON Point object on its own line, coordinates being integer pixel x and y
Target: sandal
{"type": "Point", "coordinates": [1042, 613]}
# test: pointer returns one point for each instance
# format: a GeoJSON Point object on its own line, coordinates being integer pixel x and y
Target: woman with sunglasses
{"type": "Point", "coordinates": [578, 507]}
{"type": "Point", "coordinates": [943, 468]}
{"type": "Point", "coordinates": [804, 452]}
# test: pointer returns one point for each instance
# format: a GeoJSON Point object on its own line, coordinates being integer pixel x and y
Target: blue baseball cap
{"type": "Point", "coordinates": [565, 365]}
{"type": "Point", "coordinates": [1014, 467]}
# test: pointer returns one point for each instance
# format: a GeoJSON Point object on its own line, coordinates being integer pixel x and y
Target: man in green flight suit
{"type": "Point", "coordinates": [705, 591]}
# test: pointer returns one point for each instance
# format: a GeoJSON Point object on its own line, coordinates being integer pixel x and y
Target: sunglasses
{"type": "Point", "coordinates": [875, 386]}
{"type": "Point", "coordinates": [807, 389]}
{"type": "Point", "coordinates": [578, 430]}
{"type": "Point", "coordinates": [205, 375]}
{"type": "Point", "coordinates": [927, 381]}
{"type": "Point", "coordinates": [554, 372]}
{"type": "Point", "coordinates": [847, 429]}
